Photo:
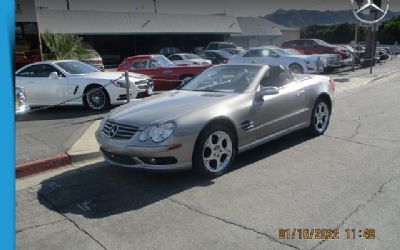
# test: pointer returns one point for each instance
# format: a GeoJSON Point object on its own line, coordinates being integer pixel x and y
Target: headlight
{"type": "Point", "coordinates": [119, 84]}
{"type": "Point", "coordinates": [157, 133]}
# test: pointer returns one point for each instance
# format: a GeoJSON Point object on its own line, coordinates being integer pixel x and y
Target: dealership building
{"type": "Point", "coordinates": [122, 28]}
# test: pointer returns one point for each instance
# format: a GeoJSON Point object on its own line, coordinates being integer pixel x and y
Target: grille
{"type": "Point", "coordinates": [119, 131]}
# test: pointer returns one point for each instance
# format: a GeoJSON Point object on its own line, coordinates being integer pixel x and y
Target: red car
{"type": "Point", "coordinates": [164, 73]}
{"type": "Point", "coordinates": [25, 57]}
{"type": "Point", "coordinates": [316, 46]}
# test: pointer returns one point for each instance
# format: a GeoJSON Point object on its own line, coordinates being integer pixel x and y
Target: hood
{"type": "Point", "coordinates": [165, 107]}
{"type": "Point", "coordinates": [302, 56]}
{"type": "Point", "coordinates": [111, 76]}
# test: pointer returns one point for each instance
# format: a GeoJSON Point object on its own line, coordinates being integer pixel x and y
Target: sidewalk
{"type": "Point", "coordinates": [86, 148]}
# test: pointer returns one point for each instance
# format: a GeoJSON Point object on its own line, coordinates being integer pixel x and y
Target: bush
{"type": "Point", "coordinates": [62, 46]}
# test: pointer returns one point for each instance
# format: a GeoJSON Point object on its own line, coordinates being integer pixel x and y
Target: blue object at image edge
{"type": "Point", "coordinates": [7, 126]}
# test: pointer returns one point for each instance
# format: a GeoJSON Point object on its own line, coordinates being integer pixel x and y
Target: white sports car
{"type": "Point", "coordinates": [188, 59]}
{"type": "Point", "coordinates": [70, 82]}
{"type": "Point", "coordinates": [271, 55]}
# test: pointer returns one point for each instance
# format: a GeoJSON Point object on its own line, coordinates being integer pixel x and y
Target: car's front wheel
{"type": "Point", "coordinates": [96, 98]}
{"type": "Point", "coordinates": [215, 151]}
{"type": "Point", "coordinates": [296, 68]}
{"type": "Point", "coordinates": [320, 117]}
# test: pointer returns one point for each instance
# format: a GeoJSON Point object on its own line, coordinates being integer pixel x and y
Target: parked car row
{"type": "Point", "coordinates": [73, 82]}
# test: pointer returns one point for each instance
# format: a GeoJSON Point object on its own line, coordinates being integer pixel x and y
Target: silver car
{"type": "Point", "coordinates": [211, 118]}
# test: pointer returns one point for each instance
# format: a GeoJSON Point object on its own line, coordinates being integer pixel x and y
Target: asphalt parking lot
{"type": "Point", "coordinates": [347, 179]}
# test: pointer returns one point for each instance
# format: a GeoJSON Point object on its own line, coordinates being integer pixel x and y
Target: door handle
{"type": "Point", "coordinates": [301, 92]}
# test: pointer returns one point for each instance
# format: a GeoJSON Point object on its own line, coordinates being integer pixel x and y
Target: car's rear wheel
{"type": "Point", "coordinates": [215, 151]}
{"type": "Point", "coordinates": [96, 98]}
{"type": "Point", "coordinates": [296, 68]}
{"type": "Point", "coordinates": [320, 117]}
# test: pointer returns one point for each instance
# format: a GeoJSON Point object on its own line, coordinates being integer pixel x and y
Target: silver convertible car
{"type": "Point", "coordinates": [211, 118]}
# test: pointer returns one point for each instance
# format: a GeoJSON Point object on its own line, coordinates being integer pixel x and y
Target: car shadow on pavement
{"type": "Point", "coordinates": [99, 191]}
{"type": "Point", "coordinates": [59, 113]}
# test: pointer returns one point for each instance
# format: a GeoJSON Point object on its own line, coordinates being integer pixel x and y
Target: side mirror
{"type": "Point", "coordinates": [267, 91]}
{"type": "Point", "coordinates": [275, 55]}
{"type": "Point", "coordinates": [54, 76]}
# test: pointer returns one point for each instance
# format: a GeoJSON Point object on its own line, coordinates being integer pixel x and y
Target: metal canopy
{"type": "Point", "coordinates": [102, 22]}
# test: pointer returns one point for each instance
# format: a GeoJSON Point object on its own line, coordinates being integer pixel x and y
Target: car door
{"type": "Point", "coordinates": [252, 56]}
{"type": "Point", "coordinates": [284, 110]}
{"type": "Point", "coordinates": [269, 57]}
{"type": "Point", "coordinates": [40, 89]}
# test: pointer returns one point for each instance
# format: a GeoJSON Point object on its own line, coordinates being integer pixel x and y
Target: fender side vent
{"type": "Point", "coordinates": [247, 125]}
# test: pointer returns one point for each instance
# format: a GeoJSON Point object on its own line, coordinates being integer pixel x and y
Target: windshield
{"type": "Point", "coordinates": [191, 56]}
{"type": "Point", "coordinates": [227, 78]}
{"type": "Point", "coordinates": [76, 68]}
{"type": "Point", "coordinates": [322, 43]}
{"type": "Point", "coordinates": [227, 46]}
{"type": "Point", "coordinates": [224, 54]}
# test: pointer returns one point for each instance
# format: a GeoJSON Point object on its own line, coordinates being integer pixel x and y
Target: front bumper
{"type": "Point", "coordinates": [173, 154]}
{"type": "Point", "coordinates": [22, 108]}
{"type": "Point", "coordinates": [346, 62]}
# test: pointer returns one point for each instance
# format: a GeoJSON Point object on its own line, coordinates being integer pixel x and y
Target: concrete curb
{"type": "Point", "coordinates": [78, 158]}
{"type": "Point", "coordinates": [38, 166]}
{"type": "Point", "coordinates": [77, 155]}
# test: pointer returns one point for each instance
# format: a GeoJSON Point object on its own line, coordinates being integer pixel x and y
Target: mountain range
{"type": "Point", "coordinates": [301, 18]}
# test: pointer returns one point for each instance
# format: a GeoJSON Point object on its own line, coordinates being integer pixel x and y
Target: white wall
{"type": "Point", "coordinates": [145, 6]}
{"type": "Point", "coordinates": [25, 11]}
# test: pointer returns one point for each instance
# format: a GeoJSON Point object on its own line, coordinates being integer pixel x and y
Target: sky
{"type": "Point", "coordinates": [247, 7]}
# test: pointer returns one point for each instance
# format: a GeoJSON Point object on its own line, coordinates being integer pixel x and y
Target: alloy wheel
{"type": "Point", "coordinates": [96, 99]}
{"type": "Point", "coordinates": [217, 151]}
{"type": "Point", "coordinates": [296, 69]}
{"type": "Point", "coordinates": [321, 117]}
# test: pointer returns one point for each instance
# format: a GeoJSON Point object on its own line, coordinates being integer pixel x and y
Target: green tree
{"type": "Point", "coordinates": [338, 33]}
{"type": "Point", "coordinates": [63, 46]}
{"type": "Point", "coordinates": [389, 31]}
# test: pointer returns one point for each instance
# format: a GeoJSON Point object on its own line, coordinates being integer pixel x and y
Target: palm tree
{"type": "Point", "coordinates": [63, 46]}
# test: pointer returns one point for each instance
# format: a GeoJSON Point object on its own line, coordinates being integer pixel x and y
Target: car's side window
{"type": "Point", "coordinates": [175, 58]}
{"type": "Point", "coordinates": [139, 64]}
{"type": "Point", "coordinates": [25, 72]}
{"type": "Point", "coordinates": [254, 53]}
{"type": "Point", "coordinates": [302, 43]}
{"type": "Point", "coordinates": [308, 43]}
{"type": "Point", "coordinates": [43, 70]}
{"type": "Point", "coordinates": [208, 55]}
{"type": "Point", "coordinates": [276, 76]}
{"type": "Point", "coordinates": [213, 46]}
{"type": "Point", "coordinates": [154, 63]}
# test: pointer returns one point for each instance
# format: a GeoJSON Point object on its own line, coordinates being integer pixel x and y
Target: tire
{"type": "Point", "coordinates": [320, 117]}
{"type": "Point", "coordinates": [215, 151]}
{"type": "Point", "coordinates": [96, 98]}
{"type": "Point", "coordinates": [296, 68]}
